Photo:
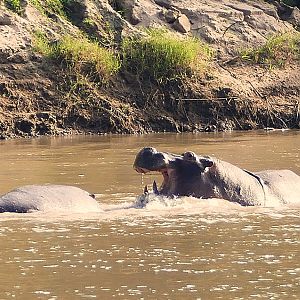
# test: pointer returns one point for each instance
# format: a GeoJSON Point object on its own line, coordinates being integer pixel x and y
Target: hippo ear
{"type": "Point", "coordinates": [206, 162]}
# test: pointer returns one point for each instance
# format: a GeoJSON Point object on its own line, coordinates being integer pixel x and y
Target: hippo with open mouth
{"type": "Point", "coordinates": [199, 176]}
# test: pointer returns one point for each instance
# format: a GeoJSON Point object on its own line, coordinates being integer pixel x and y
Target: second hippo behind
{"type": "Point", "coordinates": [189, 174]}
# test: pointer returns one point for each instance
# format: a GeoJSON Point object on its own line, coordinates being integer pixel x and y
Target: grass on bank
{"type": "Point", "coordinates": [159, 56]}
{"type": "Point", "coordinates": [162, 56]}
{"type": "Point", "coordinates": [82, 55]}
{"type": "Point", "coordinates": [276, 52]}
{"type": "Point", "coordinates": [46, 7]}
{"type": "Point", "coordinates": [14, 5]}
{"type": "Point", "coordinates": [65, 8]}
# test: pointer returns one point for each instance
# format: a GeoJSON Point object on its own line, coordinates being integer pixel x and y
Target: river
{"type": "Point", "coordinates": [183, 249]}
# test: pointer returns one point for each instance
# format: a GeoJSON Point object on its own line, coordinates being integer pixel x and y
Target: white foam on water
{"type": "Point", "coordinates": [155, 206]}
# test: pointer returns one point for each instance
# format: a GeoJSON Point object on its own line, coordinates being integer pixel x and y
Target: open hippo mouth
{"type": "Point", "coordinates": [165, 183]}
{"type": "Point", "coordinates": [181, 173]}
{"type": "Point", "coordinates": [149, 160]}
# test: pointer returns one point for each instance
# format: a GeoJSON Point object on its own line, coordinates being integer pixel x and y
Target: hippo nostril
{"type": "Point", "coordinates": [189, 155]}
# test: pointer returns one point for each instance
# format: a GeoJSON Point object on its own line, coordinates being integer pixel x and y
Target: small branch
{"type": "Point", "coordinates": [257, 92]}
{"type": "Point", "coordinates": [208, 99]}
{"type": "Point", "coordinates": [231, 25]}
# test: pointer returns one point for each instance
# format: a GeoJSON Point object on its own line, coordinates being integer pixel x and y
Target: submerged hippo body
{"type": "Point", "coordinates": [206, 177]}
{"type": "Point", "coordinates": [48, 198]}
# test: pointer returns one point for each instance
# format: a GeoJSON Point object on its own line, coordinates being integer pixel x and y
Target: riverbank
{"type": "Point", "coordinates": [45, 95]}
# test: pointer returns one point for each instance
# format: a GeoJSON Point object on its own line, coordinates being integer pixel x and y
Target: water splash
{"type": "Point", "coordinates": [128, 206]}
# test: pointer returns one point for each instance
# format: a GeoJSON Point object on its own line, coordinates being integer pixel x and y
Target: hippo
{"type": "Point", "coordinates": [48, 198]}
{"type": "Point", "coordinates": [199, 176]}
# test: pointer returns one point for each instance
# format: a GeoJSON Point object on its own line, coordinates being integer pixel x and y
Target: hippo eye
{"type": "Point", "coordinates": [189, 155]}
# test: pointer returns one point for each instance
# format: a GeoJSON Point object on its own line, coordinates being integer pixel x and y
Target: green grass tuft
{"type": "Point", "coordinates": [83, 54]}
{"type": "Point", "coordinates": [80, 54]}
{"type": "Point", "coordinates": [276, 52]}
{"type": "Point", "coordinates": [14, 5]}
{"type": "Point", "coordinates": [161, 56]}
{"type": "Point", "coordinates": [42, 45]}
{"type": "Point", "coordinates": [49, 7]}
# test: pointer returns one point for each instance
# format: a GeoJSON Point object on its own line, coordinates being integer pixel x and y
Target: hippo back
{"type": "Point", "coordinates": [283, 185]}
{"type": "Point", "coordinates": [48, 198]}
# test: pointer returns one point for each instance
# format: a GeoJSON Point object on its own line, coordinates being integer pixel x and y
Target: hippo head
{"type": "Point", "coordinates": [183, 175]}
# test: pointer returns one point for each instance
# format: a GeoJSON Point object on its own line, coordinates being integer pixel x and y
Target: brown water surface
{"type": "Point", "coordinates": [183, 249]}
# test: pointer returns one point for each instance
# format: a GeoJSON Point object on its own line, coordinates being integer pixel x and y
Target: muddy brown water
{"type": "Point", "coordinates": [183, 249]}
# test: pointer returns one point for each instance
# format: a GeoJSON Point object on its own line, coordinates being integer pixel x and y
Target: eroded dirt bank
{"type": "Point", "coordinates": [39, 96]}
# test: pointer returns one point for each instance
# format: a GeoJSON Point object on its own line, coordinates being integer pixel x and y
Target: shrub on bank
{"type": "Point", "coordinates": [276, 52]}
{"type": "Point", "coordinates": [80, 54]}
{"type": "Point", "coordinates": [161, 56]}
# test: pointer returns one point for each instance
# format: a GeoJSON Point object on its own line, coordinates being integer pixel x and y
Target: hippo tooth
{"type": "Point", "coordinates": [155, 189]}
{"type": "Point", "coordinates": [146, 190]}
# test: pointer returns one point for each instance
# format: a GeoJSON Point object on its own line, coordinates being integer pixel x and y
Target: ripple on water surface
{"type": "Point", "coordinates": [171, 249]}
{"type": "Point", "coordinates": [168, 250]}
